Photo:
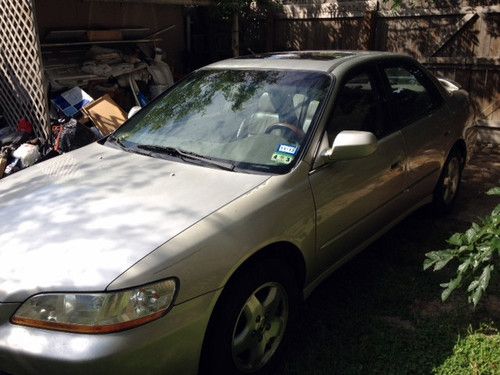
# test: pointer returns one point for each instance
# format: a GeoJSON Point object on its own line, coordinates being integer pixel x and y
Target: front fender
{"type": "Point", "coordinates": [205, 256]}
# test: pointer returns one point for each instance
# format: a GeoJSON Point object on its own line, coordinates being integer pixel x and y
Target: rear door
{"type": "Point", "coordinates": [421, 113]}
{"type": "Point", "coordinates": [356, 198]}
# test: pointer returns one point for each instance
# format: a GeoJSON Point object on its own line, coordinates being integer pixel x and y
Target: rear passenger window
{"type": "Point", "coordinates": [358, 107]}
{"type": "Point", "coordinates": [410, 99]}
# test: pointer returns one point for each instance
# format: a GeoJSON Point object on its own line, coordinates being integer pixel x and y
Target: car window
{"type": "Point", "coordinates": [358, 107]}
{"type": "Point", "coordinates": [409, 96]}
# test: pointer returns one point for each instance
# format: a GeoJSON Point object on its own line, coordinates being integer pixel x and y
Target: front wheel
{"type": "Point", "coordinates": [250, 320]}
{"type": "Point", "coordinates": [448, 185]}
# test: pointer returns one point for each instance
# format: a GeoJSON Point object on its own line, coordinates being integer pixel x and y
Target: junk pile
{"type": "Point", "coordinates": [19, 149]}
{"type": "Point", "coordinates": [96, 80]}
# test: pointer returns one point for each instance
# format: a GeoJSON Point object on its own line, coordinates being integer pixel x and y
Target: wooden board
{"type": "Point", "coordinates": [3, 164]}
{"type": "Point", "coordinates": [103, 35]}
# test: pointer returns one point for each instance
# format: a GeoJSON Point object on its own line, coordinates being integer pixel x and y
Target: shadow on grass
{"type": "Point", "coordinates": [380, 313]}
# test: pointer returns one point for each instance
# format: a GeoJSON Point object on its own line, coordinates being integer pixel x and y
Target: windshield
{"type": "Point", "coordinates": [249, 119]}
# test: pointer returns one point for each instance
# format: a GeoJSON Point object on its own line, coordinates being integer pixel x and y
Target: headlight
{"type": "Point", "coordinates": [97, 312]}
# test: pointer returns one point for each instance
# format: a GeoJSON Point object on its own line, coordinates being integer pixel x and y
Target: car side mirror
{"type": "Point", "coordinates": [351, 144]}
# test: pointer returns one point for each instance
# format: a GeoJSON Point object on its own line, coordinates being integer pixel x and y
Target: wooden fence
{"type": "Point", "coordinates": [456, 40]}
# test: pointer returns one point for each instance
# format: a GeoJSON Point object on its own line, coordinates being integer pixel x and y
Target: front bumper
{"type": "Point", "coordinates": [170, 345]}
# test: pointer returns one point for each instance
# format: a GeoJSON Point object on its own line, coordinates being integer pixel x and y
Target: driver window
{"type": "Point", "coordinates": [357, 107]}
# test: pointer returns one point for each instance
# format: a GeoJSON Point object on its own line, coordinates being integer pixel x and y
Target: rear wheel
{"type": "Point", "coordinates": [448, 185]}
{"type": "Point", "coordinates": [250, 320]}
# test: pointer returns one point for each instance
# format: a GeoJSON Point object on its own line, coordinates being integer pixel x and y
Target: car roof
{"type": "Point", "coordinates": [325, 61]}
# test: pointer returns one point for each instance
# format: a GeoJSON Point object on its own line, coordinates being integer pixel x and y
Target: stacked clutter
{"type": "Point", "coordinates": [90, 90]}
{"type": "Point", "coordinates": [131, 76]}
{"type": "Point", "coordinates": [128, 78]}
{"type": "Point", "coordinates": [122, 81]}
{"type": "Point", "coordinates": [21, 148]}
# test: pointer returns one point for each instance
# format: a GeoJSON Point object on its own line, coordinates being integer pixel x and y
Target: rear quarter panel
{"type": "Point", "coordinates": [464, 118]}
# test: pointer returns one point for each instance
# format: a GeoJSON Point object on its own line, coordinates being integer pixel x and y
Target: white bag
{"type": "Point", "coordinates": [28, 154]}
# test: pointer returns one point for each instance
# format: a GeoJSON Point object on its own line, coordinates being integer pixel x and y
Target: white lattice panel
{"type": "Point", "coordinates": [22, 92]}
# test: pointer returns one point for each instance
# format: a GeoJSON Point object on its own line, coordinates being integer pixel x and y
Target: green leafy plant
{"type": "Point", "coordinates": [246, 8]}
{"type": "Point", "coordinates": [477, 251]}
{"type": "Point", "coordinates": [247, 15]}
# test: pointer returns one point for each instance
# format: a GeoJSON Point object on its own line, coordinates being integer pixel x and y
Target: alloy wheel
{"type": "Point", "coordinates": [260, 327]}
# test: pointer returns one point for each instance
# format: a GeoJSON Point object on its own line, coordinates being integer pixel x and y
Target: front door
{"type": "Point", "coordinates": [356, 198]}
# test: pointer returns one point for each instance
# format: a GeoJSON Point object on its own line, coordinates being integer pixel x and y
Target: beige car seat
{"type": "Point", "coordinates": [258, 122]}
{"type": "Point", "coordinates": [311, 110]}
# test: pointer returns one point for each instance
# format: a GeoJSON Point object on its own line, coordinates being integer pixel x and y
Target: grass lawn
{"type": "Point", "coordinates": [382, 314]}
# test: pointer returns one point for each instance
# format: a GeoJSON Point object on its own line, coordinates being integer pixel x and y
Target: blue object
{"type": "Point", "coordinates": [143, 100]}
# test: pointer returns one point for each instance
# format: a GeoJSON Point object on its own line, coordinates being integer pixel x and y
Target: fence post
{"type": "Point", "coordinates": [371, 20]}
{"type": "Point", "coordinates": [235, 35]}
{"type": "Point", "coordinates": [270, 32]}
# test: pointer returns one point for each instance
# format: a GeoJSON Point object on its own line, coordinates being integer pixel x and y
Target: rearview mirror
{"type": "Point", "coordinates": [352, 144]}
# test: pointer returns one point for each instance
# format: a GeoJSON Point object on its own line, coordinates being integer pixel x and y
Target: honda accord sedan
{"type": "Point", "coordinates": [184, 242]}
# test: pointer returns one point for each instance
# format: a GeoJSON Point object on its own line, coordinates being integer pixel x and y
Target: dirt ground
{"type": "Point", "coordinates": [481, 174]}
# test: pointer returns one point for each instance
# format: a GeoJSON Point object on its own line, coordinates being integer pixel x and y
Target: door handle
{"type": "Point", "coordinates": [397, 165]}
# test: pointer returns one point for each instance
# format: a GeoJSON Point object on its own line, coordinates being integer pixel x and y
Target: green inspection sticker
{"type": "Point", "coordinates": [282, 158]}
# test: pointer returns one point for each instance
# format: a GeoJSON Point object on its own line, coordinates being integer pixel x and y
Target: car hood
{"type": "Point", "coordinates": [76, 222]}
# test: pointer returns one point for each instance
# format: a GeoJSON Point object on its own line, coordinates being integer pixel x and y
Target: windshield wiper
{"type": "Point", "coordinates": [176, 152]}
{"type": "Point", "coordinates": [116, 141]}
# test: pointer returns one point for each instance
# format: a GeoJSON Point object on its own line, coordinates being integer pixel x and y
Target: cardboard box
{"type": "Point", "coordinates": [106, 115]}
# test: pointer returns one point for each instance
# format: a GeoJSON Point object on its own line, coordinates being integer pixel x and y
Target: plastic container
{"type": "Point", "coordinates": [160, 71]}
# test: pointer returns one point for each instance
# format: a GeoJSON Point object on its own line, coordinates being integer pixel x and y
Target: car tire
{"type": "Point", "coordinates": [448, 185]}
{"type": "Point", "coordinates": [248, 326]}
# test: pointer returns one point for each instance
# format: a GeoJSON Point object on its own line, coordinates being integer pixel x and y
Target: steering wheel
{"type": "Point", "coordinates": [296, 132]}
